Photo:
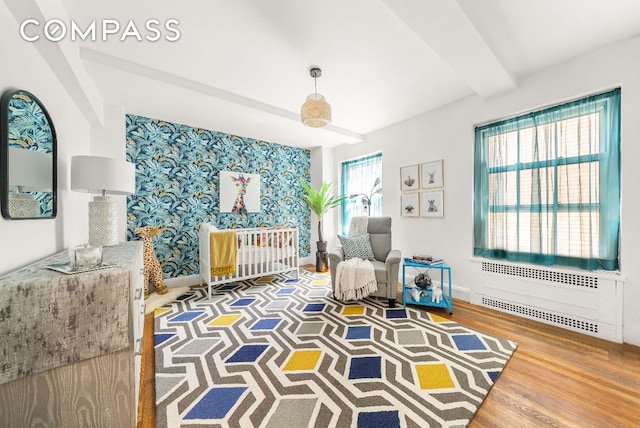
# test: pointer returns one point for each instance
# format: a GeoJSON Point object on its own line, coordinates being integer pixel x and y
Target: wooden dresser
{"type": "Point", "coordinates": [70, 345]}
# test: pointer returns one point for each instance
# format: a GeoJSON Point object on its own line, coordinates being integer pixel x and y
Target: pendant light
{"type": "Point", "coordinates": [316, 111]}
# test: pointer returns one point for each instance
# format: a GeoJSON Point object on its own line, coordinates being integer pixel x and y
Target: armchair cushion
{"type": "Point", "coordinates": [386, 261]}
{"type": "Point", "coordinates": [358, 246]}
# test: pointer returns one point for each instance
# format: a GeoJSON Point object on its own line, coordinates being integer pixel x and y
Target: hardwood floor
{"type": "Point", "coordinates": [556, 378]}
{"type": "Point", "coordinates": [147, 403]}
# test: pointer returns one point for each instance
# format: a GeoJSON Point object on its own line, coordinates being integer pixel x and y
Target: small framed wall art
{"type": "Point", "coordinates": [432, 176]}
{"type": "Point", "coordinates": [239, 192]}
{"type": "Point", "coordinates": [410, 204]}
{"type": "Point", "coordinates": [409, 178]}
{"type": "Point", "coordinates": [432, 203]}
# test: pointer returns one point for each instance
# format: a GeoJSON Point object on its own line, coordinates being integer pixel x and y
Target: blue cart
{"type": "Point", "coordinates": [412, 266]}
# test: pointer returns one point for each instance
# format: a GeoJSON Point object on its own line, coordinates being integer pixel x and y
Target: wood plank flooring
{"type": "Point", "coordinates": [556, 378]}
{"type": "Point", "coordinates": [147, 402]}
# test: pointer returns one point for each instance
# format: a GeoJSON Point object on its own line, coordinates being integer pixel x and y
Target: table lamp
{"type": "Point", "coordinates": [29, 171]}
{"type": "Point", "coordinates": [105, 176]}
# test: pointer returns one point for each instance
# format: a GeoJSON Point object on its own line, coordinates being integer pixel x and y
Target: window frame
{"type": "Point", "coordinates": [607, 105]}
{"type": "Point", "coordinates": [344, 177]}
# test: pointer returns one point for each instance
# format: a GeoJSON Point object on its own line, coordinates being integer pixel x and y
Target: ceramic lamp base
{"type": "Point", "coordinates": [103, 221]}
{"type": "Point", "coordinates": [23, 205]}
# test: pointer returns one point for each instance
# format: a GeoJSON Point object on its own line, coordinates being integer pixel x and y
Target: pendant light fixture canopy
{"type": "Point", "coordinates": [316, 111]}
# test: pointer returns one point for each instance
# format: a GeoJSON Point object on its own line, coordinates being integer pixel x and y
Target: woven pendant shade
{"type": "Point", "coordinates": [316, 112]}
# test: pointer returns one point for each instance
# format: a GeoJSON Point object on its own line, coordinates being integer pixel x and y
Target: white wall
{"type": "Point", "coordinates": [448, 133]}
{"type": "Point", "coordinates": [322, 170]}
{"type": "Point", "coordinates": [25, 241]}
{"type": "Point", "coordinates": [109, 140]}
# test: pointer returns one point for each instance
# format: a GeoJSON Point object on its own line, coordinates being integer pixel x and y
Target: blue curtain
{"type": "Point", "coordinates": [358, 178]}
{"type": "Point", "coordinates": [547, 185]}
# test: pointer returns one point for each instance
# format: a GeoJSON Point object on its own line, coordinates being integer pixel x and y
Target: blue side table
{"type": "Point", "coordinates": [425, 300]}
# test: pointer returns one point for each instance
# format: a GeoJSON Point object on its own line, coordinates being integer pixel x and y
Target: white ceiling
{"type": "Point", "coordinates": [241, 66]}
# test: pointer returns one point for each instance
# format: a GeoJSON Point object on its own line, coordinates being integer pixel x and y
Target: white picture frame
{"type": "Point", "coordinates": [232, 184]}
{"type": "Point", "coordinates": [409, 178]}
{"type": "Point", "coordinates": [410, 204]}
{"type": "Point", "coordinates": [431, 175]}
{"type": "Point", "coordinates": [432, 203]}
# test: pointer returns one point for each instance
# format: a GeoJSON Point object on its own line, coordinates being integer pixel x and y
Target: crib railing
{"type": "Point", "coordinates": [261, 252]}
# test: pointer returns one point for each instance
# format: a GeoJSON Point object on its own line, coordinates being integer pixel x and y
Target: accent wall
{"type": "Point", "coordinates": [177, 186]}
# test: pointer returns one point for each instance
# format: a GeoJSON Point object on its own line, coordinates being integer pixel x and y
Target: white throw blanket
{"type": "Point", "coordinates": [355, 279]}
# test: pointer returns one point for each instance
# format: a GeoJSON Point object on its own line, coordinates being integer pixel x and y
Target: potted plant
{"type": "Point", "coordinates": [319, 202]}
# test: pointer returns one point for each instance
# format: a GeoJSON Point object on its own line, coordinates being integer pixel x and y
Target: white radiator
{"type": "Point", "coordinates": [586, 302]}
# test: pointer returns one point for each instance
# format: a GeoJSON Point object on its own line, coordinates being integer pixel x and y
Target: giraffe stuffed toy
{"type": "Point", "coordinates": [152, 269]}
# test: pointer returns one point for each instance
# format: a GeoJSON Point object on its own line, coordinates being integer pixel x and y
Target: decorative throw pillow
{"type": "Point", "coordinates": [358, 246]}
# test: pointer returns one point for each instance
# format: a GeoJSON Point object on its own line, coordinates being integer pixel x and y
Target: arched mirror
{"type": "Point", "coordinates": [27, 157]}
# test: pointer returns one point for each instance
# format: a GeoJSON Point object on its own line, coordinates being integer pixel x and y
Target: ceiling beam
{"type": "Point", "coordinates": [201, 88]}
{"type": "Point", "coordinates": [445, 28]}
{"type": "Point", "coordinates": [62, 56]}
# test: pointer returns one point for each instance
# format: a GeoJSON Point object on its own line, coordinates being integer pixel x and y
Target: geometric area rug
{"type": "Point", "coordinates": [279, 351]}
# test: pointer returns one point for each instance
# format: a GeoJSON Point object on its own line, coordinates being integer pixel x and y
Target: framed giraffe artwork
{"type": "Point", "coordinates": [239, 192]}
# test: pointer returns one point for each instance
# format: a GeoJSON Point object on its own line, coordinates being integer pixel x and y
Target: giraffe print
{"type": "Point", "coordinates": [241, 183]}
{"type": "Point", "coordinates": [152, 269]}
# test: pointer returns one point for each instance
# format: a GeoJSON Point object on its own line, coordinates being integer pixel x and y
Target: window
{"type": "Point", "coordinates": [359, 177]}
{"type": "Point", "coordinates": [547, 185]}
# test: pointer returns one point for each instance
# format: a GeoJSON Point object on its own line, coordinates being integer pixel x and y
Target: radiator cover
{"type": "Point", "coordinates": [586, 302]}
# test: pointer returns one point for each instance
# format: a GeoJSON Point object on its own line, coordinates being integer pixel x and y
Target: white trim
{"type": "Point", "coordinates": [182, 281]}
{"type": "Point", "coordinates": [601, 274]}
{"type": "Point", "coordinates": [309, 260]}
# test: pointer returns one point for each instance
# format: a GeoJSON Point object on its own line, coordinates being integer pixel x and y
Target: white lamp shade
{"type": "Point", "coordinates": [30, 170]}
{"type": "Point", "coordinates": [96, 174]}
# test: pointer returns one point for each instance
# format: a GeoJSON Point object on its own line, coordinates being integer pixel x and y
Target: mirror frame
{"type": "Point", "coordinates": [4, 155]}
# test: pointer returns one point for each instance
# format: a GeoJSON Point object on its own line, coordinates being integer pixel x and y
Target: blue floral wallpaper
{"type": "Point", "coordinates": [177, 170]}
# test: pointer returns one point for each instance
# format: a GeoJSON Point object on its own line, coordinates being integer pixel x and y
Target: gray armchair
{"type": "Point", "coordinates": [386, 263]}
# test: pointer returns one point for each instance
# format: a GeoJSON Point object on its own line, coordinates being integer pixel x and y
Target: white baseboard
{"type": "Point", "coordinates": [458, 292]}
{"type": "Point", "coordinates": [309, 260]}
{"type": "Point", "coordinates": [461, 293]}
{"type": "Point", "coordinates": [183, 281]}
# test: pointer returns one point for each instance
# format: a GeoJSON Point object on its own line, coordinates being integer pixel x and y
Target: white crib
{"type": "Point", "coordinates": [261, 251]}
